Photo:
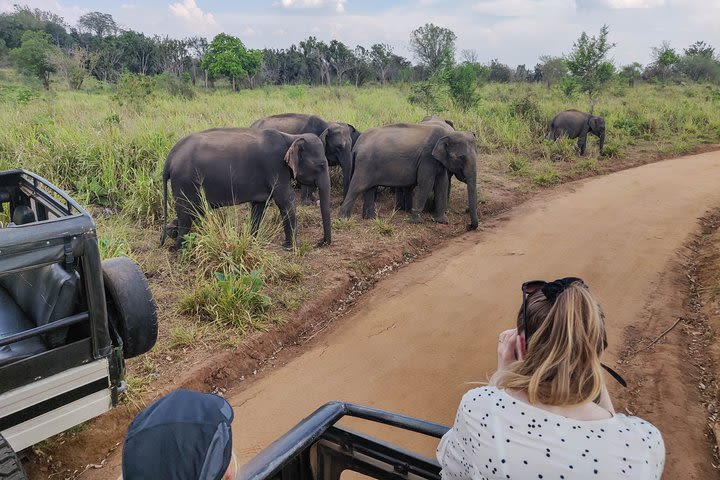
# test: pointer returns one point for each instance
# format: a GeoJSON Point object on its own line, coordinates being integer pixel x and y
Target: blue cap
{"type": "Point", "coordinates": [184, 435]}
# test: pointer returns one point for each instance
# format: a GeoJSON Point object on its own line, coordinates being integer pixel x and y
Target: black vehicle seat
{"type": "Point", "coordinates": [22, 215]}
{"type": "Point", "coordinates": [13, 320]}
{"type": "Point", "coordinates": [41, 295]}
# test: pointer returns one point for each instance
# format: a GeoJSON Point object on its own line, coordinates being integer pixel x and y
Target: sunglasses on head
{"type": "Point", "coordinates": [552, 290]}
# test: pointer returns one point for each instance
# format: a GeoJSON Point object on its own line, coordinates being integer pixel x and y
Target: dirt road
{"type": "Point", "coordinates": [411, 344]}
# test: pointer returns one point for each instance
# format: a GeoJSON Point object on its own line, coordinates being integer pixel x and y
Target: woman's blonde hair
{"type": "Point", "coordinates": [562, 362]}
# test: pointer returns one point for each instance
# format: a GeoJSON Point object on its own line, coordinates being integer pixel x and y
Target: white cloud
{"type": "Point", "coordinates": [338, 4]}
{"type": "Point", "coordinates": [621, 4]}
{"type": "Point", "coordinates": [189, 11]}
{"type": "Point", "coordinates": [522, 8]}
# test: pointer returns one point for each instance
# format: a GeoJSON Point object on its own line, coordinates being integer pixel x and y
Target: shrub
{"type": "Point", "coordinates": [463, 83]}
{"type": "Point", "coordinates": [230, 298]}
{"type": "Point", "coordinates": [133, 90]}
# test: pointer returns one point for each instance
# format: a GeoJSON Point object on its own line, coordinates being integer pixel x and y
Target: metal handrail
{"type": "Point", "coordinates": [283, 450]}
{"type": "Point", "coordinates": [33, 332]}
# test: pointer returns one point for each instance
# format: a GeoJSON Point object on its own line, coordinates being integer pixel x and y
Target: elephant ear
{"type": "Point", "coordinates": [440, 151]}
{"type": "Point", "coordinates": [323, 137]}
{"type": "Point", "coordinates": [354, 134]}
{"type": "Point", "coordinates": [449, 122]}
{"type": "Point", "coordinates": [292, 156]}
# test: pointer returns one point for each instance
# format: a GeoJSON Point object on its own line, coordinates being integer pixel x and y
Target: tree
{"type": "Point", "coordinates": [433, 46]}
{"type": "Point", "coordinates": [462, 83]}
{"type": "Point", "coordinates": [499, 72]}
{"type": "Point", "coordinates": [699, 68]}
{"type": "Point", "coordinates": [588, 62]}
{"type": "Point", "coordinates": [361, 67]}
{"type": "Point", "coordinates": [98, 23]}
{"type": "Point", "coordinates": [631, 73]}
{"type": "Point", "coordinates": [227, 56]}
{"type": "Point", "coordinates": [521, 74]}
{"type": "Point", "coordinates": [139, 51]}
{"type": "Point", "coordinates": [74, 65]}
{"type": "Point", "coordinates": [664, 59]}
{"type": "Point", "coordinates": [380, 59]}
{"type": "Point", "coordinates": [340, 57]}
{"type": "Point", "coordinates": [700, 49]}
{"type": "Point", "coordinates": [552, 69]}
{"type": "Point", "coordinates": [33, 56]}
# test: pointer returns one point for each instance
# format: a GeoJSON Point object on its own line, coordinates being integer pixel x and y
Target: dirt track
{"type": "Point", "coordinates": [411, 344]}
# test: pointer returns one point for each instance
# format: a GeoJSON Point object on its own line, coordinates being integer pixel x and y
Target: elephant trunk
{"type": "Point", "coordinates": [601, 144]}
{"type": "Point", "coordinates": [323, 185]}
{"type": "Point", "coordinates": [471, 180]}
{"type": "Point", "coordinates": [346, 166]}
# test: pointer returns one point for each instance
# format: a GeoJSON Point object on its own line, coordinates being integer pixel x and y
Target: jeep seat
{"type": "Point", "coordinates": [31, 299]}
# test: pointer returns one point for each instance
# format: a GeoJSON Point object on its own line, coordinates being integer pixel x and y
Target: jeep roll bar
{"type": "Point", "coordinates": [316, 448]}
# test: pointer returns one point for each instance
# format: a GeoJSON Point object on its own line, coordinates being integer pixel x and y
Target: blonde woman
{"type": "Point", "coordinates": [546, 413]}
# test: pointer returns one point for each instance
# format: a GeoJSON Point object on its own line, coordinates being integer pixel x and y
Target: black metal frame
{"type": "Point", "coordinates": [316, 443]}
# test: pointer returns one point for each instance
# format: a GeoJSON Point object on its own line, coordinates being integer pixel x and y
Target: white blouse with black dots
{"type": "Point", "coordinates": [496, 436]}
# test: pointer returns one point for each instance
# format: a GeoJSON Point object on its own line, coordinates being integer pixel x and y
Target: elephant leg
{"type": "Point", "coordinates": [407, 198]}
{"type": "Point", "coordinates": [420, 195]}
{"type": "Point", "coordinates": [441, 197]}
{"type": "Point", "coordinates": [400, 199]}
{"type": "Point", "coordinates": [369, 203]}
{"type": "Point", "coordinates": [256, 216]}
{"type": "Point", "coordinates": [187, 207]}
{"type": "Point", "coordinates": [286, 206]}
{"type": "Point", "coordinates": [582, 142]}
{"type": "Point", "coordinates": [354, 191]}
{"type": "Point", "coordinates": [347, 173]}
{"type": "Point", "coordinates": [306, 195]}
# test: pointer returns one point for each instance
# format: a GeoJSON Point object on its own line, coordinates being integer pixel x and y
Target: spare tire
{"type": "Point", "coordinates": [130, 305]}
{"type": "Point", "coordinates": [10, 467]}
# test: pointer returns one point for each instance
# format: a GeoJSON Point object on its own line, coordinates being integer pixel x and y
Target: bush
{"type": "Point", "coordinates": [133, 90]}
{"type": "Point", "coordinates": [230, 298]}
{"type": "Point", "coordinates": [175, 86]}
{"type": "Point", "coordinates": [463, 84]}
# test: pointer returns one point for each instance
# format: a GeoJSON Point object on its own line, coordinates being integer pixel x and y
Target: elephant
{"type": "Point", "coordinates": [413, 155]}
{"type": "Point", "coordinates": [238, 165]}
{"type": "Point", "coordinates": [577, 124]}
{"type": "Point", "coordinates": [403, 196]}
{"type": "Point", "coordinates": [339, 138]}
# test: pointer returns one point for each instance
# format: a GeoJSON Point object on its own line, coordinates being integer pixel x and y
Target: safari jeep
{"type": "Point", "coordinates": [67, 320]}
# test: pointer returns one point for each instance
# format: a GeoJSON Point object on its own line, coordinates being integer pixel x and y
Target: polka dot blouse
{"type": "Point", "coordinates": [496, 436]}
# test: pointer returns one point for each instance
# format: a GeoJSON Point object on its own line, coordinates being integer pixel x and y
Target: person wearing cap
{"type": "Point", "coordinates": [185, 435]}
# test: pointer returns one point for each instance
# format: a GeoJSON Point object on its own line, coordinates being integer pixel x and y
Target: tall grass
{"type": "Point", "coordinates": [111, 155]}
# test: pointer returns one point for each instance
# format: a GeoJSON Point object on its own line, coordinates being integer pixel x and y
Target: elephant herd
{"type": "Point", "coordinates": [256, 164]}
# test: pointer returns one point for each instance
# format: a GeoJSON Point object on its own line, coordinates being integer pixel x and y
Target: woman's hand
{"type": "Point", "coordinates": [507, 348]}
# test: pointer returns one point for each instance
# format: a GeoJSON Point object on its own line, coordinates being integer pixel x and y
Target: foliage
{"type": "Point", "coordinates": [588, 64]}
{"type": "Point", "coordinates": [133, 90]}
{"type": "Point", "coordinates": [551, 69]}
{"type": "Point", "coordinates": [499, 72]}
{"type": "Point", "coordinates": [700, 49]}
{"type": "Point", "coordinates": [568, 86]}
{"type": "Point", "coordinates": [98, 23]}
{"type": "Point", "coordinates": [74, 65]}
{"type": "Point", "coordinates": [433, 46]}
{"type": "Point", "coordinates": [33, 56]}
{"type": "Point", "coordinates": [631, 73]}
{"type": "Point", "coordinates": [427, 95]}
{"type": "Point", "coordinates": [227, 56]}
{"type": "Point", "coordinates": [462, 83]}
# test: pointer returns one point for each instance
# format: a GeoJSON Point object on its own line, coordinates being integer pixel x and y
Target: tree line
{"type": "Point", "coordinates": [41, 43]}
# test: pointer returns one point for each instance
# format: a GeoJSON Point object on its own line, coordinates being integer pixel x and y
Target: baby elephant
{"type": "Point", "coordinates": [577, 124]}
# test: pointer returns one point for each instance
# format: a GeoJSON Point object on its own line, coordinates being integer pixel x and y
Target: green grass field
{"type": "Point", "coordinates": [111, 155]}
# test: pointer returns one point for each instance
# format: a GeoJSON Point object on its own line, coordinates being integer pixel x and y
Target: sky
{"type": "Point", "coordinates": [513, 31]}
